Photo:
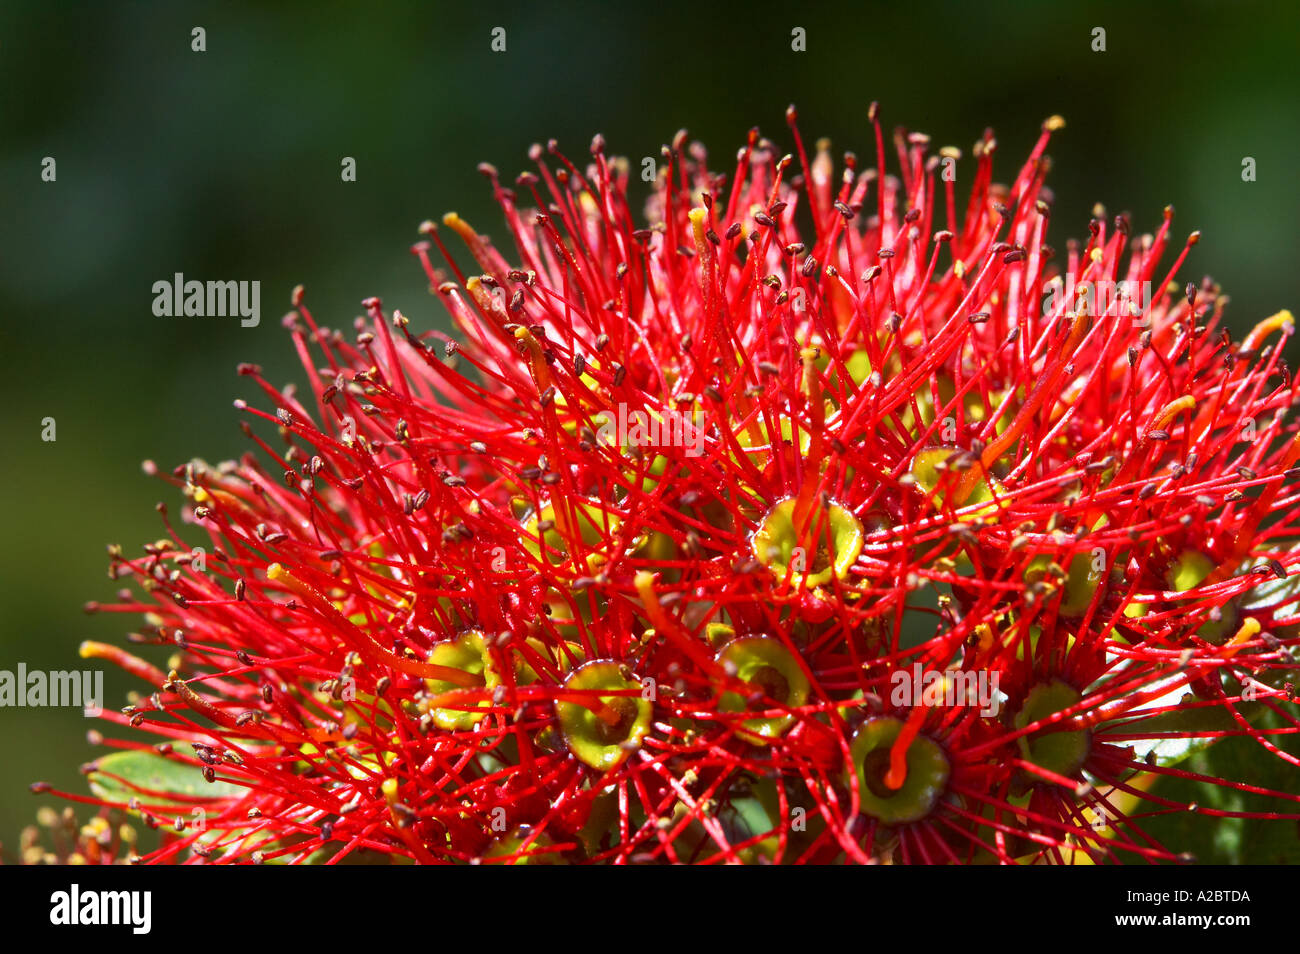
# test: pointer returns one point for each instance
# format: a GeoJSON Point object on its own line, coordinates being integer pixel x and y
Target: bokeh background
{"type": "Point", "coordinates": [226, 165]}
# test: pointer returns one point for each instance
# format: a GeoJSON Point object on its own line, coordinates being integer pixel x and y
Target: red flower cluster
{"type": "Point", "coordinates": [820, 519]}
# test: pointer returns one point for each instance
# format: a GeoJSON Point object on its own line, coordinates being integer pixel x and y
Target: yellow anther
{"type": "Point", "coordinates": [1282, 321]}
{"type": "Point", "coordinates": [1172, 410]}
{"type": "Point", "coordinates": [1248, 631]}
{"type": "Point", "coordinates": [699, 218]}
{"type": "Point", "coordinates": [460, 227]}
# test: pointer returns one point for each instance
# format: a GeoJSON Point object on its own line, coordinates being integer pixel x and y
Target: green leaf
{"type": "Point", "coordinates": [1170, 751]}
{"type": "Point", "coordinates": [1283, 596]}
{"type": "Point", "coordinates": [155, 781]}
{"type": "Point", "coordinates": [1230, 840]}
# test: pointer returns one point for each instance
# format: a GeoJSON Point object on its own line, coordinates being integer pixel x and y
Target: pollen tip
{"type": "Point", "coordinates": [462, 228]}
{"type": "Point", "coordinates": [1249, 630]}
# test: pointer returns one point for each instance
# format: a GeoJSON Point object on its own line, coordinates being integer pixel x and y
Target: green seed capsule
{"type": "Point", "coordinates": [603, 742]}
{"type": "Point", "coordinates": [469, 653]}
{"type": "Point", "coordinates": [1062, 752]}
{"type": "Point", "coordinates": [593, 523]}
{"type": "Point", "coordinates": [719, 634]}
{"type": "Point", "coordinates": [813, 560]}
{"type": "Point", "coordinates": [1190, 571]}
{"type": "Point", "coordinates": [1079, 582]}
{"type": "Point", "coordinates": [772, 670]}
{"type": "Point", "coordinates": [929, 471]}
{"type": "Point", "coordinates": [540, 851]}
{"type": "Point", "coordinates": [927, 773]}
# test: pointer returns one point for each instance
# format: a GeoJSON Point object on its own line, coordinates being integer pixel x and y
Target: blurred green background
{"type": "Point", "coordinates": [225, 165]}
